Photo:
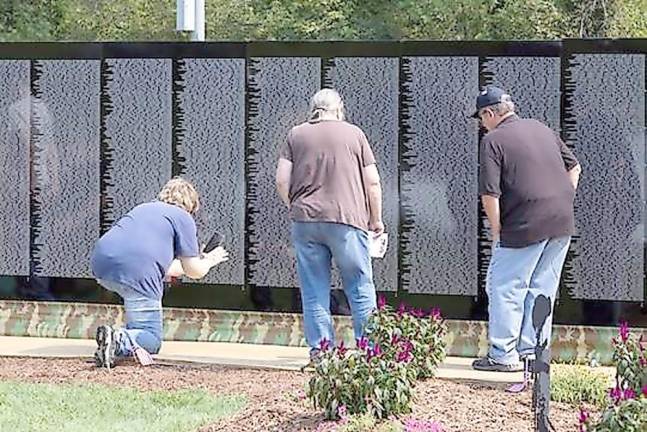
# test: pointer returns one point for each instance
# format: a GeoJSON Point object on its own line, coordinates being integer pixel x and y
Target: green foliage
{"type": "Point", "coordinates": [607, 18]}
{"type": "Point", "coordinates": [578, 384]}
{"type": "Point", "coordinates": [281, 20]}
{"type": "Point", "coordinates": [245, 20]}
{"type": "Point", "coordinates": [629, 19]}
{"type": "Point", "coordinates": [532, 19]}
{"type": "Point", "coordinates": [100, 408]}
{"type": "Point", "coordinates": [29, 20]}
{"type": "Point", "coordinates": [367, 423]}
{"type": "Point", "coordinates": [112, 20]}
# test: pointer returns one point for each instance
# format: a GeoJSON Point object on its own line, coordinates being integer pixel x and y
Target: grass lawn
{"type": "Point", "coordinates": [98, 408]}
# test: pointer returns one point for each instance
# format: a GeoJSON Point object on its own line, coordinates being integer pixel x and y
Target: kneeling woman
{"type": "Point", "coordinates": [153, 241]}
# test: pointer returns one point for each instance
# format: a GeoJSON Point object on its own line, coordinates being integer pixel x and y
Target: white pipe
{"type": "Point", "coordinates": [198, 35]}
{"type": "Point", "coordinates": [185, 15]}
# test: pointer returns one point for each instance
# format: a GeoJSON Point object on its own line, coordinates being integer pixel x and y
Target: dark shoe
{"type": "Point", "coordinates": [105, 354]}
{"type": "Point", "coordinates": [489, 365]}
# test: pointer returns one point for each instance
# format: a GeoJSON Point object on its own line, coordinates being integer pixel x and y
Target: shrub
{"type": "Point", "coordinates": [578, 384]}
{"type": "Point", "coordinates": [378, 378]}
{"type": "Point", "coordinates": [425, 331]}
{"type": "Point", "coordinates": [370, 380]}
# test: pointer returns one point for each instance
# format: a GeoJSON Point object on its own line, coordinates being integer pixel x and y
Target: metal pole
{"type": "Point", "coordinates": [541, 391]}
{"type": "Point", "coordinates": [198, 34]}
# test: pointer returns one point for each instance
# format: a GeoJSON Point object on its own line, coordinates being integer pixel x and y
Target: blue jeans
{"type": "Point", "coordinates": [516, 277]}
{"type": "Point", "coordinates": [143, 321]}
{"type": "Point", "coordinates": [316, 244]}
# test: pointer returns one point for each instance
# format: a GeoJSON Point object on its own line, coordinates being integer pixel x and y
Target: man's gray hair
{"type": "Point", "coordinates": [326, 101]}
{"type": "Point", "coordinates": [505, 106]}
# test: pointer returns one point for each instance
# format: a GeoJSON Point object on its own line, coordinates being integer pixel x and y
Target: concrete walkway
{"type": "Point", "coordinates": [231, 354]}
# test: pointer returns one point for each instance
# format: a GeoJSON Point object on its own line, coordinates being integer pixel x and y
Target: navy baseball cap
{"type": "Point", "coordinates": [489, 96]}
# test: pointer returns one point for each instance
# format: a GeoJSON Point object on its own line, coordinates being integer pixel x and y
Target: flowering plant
{"type": "Point", "coordinates": [627, 410]}
{"type": "Point", "coordinates": [630, 358]}
{"type": "Point", "coordinates": [378, 378]}
{"type": "Point", "coordinates": [424, 332]}
{"type": "Point", "coordinates": [372, 380]}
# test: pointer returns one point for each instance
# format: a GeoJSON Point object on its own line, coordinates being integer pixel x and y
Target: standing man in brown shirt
{"type": "Point", "coordinates": [327, 177]}
{"type": "Point", "coordinates": [527, 184]}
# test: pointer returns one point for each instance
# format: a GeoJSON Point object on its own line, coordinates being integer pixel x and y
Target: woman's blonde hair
{"type": "Point", "coordinates": [181, 193]}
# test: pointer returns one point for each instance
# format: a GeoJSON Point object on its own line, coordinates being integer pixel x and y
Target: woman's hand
{"type": "Point", "coordinates": [217, 256]}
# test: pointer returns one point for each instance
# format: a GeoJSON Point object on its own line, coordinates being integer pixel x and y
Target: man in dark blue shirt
{"type": "Point", "coordinates": [153, 241]}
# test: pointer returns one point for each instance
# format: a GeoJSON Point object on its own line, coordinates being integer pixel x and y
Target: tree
{"type": "Point", "coordinates": [117, 20]}
{"type": "Point", "coordinates": [33, 20]}
{"type": "Point", "coordinates": [245, 20]}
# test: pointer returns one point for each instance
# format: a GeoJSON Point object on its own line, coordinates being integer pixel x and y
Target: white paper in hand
{"type": "Point", "coordinates": [377, 244]}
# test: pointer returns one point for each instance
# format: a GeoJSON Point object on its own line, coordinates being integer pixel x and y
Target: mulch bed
{"type": "Point", "coordinates": [274, 397]}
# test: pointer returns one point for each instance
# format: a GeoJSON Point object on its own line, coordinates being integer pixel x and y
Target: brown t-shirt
{"type": "Point", "coordinates": [525, 164]}
{"type": "Point", "coordinates": [327, 183]}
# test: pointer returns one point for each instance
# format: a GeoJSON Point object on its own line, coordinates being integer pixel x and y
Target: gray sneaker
{"type": "Point", "coordinates": [104, 356]}
{"type": "Point", "coordinates": [489, 365]}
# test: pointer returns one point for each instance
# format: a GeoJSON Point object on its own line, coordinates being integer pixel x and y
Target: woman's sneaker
{"type": "Point", "coordinates": [106, 351]}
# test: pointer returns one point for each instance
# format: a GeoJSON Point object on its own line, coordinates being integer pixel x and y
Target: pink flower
{"type": "Point", "coordinates": [435, 314]}
{"type": "Point", "coordinates": [615, 394]}
{"type": "Point", "coordinates": [341, 349]}
{"type": "Point", "coordinates": [415, 425]}
{"type": "Point", "coordinates": [403, 357]}
{"type": "Point", "coordinates": [324, 344]}
{"type": "Point", "coordinates": [381, 302]}
{"type": "Point", "coordinates": [584, 418]}
{"type": "Point", "coordinates": [407, 345]}
{"type": "Point", "coordinates": [618, 394]}
{"type": "Point", "coordinates": [362, 343]}
{"type": "Point", "coordinates": [416, 312]}
{"type": "Point", "coordinates": [644, 390]}
{"type": "Point", "coordinates": [342, 412]}
{"type": "Point", "coordinates": [624, 331]}
{"type": "Point", "coordinates": [377, 350]}
{"type": "Point", "coordinates": [395, 339]}
{"type": "Point", "coordinates": [402, 309]}
{"type": "Point", "coordinates": [300, 394]}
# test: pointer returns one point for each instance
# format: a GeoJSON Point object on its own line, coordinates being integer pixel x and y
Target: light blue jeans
{"type": "Point", "coordinates": [516, 277]}
{"type": "Point", "coordinates": [316, 244]}
{"type": "Point", "coordinates": [143, 321]}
